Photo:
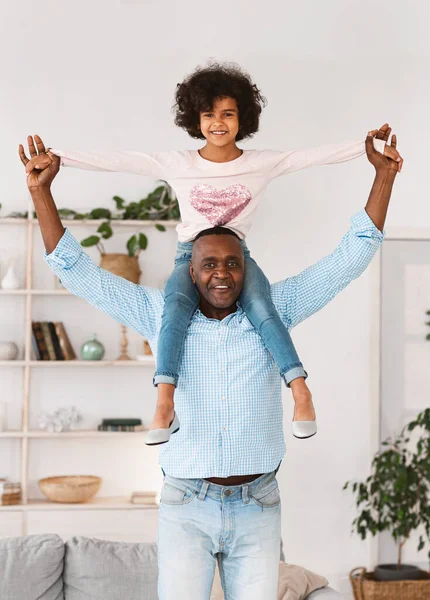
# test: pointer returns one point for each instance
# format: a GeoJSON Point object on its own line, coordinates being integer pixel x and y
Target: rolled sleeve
{"type": "Point", "coordinates": [128, 303]}
{"type": "Point", "coordinates": [363, 226]}
{"type": "Point", "coordinates": [65, 255]}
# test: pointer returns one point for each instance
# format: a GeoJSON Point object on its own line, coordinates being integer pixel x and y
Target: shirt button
{"type": "Point", "coordinates": [223, 398]}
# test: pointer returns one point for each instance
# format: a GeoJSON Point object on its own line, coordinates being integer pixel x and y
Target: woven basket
{"type": "Point", "coordinates": [122, 265]}
{"type": "Point", "coordinates": [70, 488]}
{"type": "Point", "coordinates": [365, 587]}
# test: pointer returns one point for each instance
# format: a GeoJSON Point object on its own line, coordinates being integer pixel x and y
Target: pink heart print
{"type": "Point", "coordinates": [220, 207]}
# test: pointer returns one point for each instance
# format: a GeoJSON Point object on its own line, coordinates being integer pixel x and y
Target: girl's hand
{"type": "Point", "coordinates": [42, 167]}
{"type": "Point", "coordinates": [383, 161]}
{"type": "Point", "coordinates": [383, 133]}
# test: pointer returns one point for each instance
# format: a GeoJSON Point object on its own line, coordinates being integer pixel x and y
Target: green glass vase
{"type": "Point", "coordinates": [92, 350]}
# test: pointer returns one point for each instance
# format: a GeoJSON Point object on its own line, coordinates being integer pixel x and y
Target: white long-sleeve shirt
{"type": "Point", "coordinates": [211, 193]}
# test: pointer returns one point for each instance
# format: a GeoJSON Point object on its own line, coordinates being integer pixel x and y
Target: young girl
{"type": "Point", "coordinates": [220, 185]}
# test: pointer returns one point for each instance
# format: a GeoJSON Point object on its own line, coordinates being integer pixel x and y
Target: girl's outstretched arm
{"type": "Point", "coordinates": [154, 165]}
{"type": "Point", "coordinates": [282, 163]}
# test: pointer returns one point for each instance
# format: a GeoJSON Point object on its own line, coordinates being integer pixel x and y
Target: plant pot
{"type": "Point", "coordinates": [122, 265]}
{"type": "Point", "coordinates": [393, 573]}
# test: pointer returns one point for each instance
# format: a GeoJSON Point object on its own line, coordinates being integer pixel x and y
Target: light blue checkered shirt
{"type": "Point", "coordinates": [228, 398]}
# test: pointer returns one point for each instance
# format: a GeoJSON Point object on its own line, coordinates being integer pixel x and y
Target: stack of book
{"type": "Point", "coordinates": [10, 493]}
{"type": "Point", "coordinates": [146, 498]}
{"type": "Point", "coordinates": [51, 342]}
{"type": "Point", "coordinates": [121, 425]}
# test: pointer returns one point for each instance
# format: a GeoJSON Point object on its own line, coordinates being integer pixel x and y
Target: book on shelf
{"type": "Point", "coordinates": [121, 421]}
{"type": "Point", "coordinates": [51, 342]}
{"type": "Point", "coordinates": [63, 338]}
{"type": "Point", "coordinates": [40, 340]}
{"type": "Point", "coordinates": [146, 498]}
{"type": "Point", "coordinates": [55, 341]}
{"type": "Point", "coordinates": [121, 428]}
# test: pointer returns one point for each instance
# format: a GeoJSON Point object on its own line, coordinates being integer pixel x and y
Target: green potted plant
{"type": "Point", "coordinates": [160, 205]}
{"type": "Point", "coordinates": [396, 495]}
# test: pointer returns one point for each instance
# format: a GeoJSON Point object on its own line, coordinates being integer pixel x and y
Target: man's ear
{"type": "Point", "coordinates": [192, 273]}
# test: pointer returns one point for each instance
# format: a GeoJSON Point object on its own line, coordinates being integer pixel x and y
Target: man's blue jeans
{"type": "Point", "coordinates": [200, 523]}
{"type": "Point", "coordinates": [182, 299]}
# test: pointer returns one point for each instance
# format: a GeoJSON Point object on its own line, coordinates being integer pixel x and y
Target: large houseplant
{"type": "Point", "coordinates": [396, 495]}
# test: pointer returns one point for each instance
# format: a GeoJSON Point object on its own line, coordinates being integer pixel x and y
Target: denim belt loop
{"type": "Point", "coordinates": [203, 490]}
{"type": "Point", "coordinates": [245, 496]}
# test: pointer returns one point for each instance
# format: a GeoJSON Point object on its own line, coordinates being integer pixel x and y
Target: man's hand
{"type": "Point", "coordinates": [42, 167]}
{"type": "Point", "coordinates": [391, 152]}
{"type": "Point", "coordinates": [386, 171]}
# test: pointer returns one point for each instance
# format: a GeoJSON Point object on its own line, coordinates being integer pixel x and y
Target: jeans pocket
{"type": "Point", "coordinates": [175, 496]}
{"type": "Point", "coordinates": [267, 496]}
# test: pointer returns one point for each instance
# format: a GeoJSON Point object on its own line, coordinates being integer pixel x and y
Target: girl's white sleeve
{"type": "Point", "coordinates": [155, 165]}
{"type": "Point", "coordinates": [281, 163]}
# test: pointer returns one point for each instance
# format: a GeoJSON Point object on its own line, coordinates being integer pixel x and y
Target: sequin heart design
{"type": "Point", "coordinates": [220, 207]}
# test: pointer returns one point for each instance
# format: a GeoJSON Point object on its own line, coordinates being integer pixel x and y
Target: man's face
{"type": "Point", "coordinates": [218, 270]}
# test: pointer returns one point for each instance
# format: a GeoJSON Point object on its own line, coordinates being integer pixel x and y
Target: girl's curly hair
{"type": "Point", "coordinates": [199, 90]}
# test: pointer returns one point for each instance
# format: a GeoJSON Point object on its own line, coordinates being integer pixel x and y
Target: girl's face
{"type": "Point", "coordinates": [220, 125]}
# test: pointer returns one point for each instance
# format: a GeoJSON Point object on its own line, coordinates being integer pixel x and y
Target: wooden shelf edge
{"type": "Point", "coordinates": [94, 504]}
{"type": "Point", "coordinates": [84, 433]}
{"type": "Point", "coordinates": [92, 222]}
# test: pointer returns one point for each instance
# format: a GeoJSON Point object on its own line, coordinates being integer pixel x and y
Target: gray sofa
{"type": "Point", "coordinates": [42, 567]}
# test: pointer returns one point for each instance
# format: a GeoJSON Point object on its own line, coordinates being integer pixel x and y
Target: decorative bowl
{"type": "Point", "coordinates": [70, 488]}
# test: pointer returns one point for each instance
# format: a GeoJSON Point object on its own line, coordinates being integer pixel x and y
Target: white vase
{"type": "Point", "coordinates": [8, 351]}
{"type": "Point", "coordinates": [10, 281]}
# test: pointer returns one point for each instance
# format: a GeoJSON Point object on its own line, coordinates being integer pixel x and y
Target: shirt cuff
{"type": "Point", "coordinates": [65, 254]}
{"type": "Point", "coordinates": [363, 226]}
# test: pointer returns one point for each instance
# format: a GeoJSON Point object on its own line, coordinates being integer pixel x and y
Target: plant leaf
{"type": "Point", "coordinates": [119, 202]}
{"type": "Point", "coordinates": [143, 241]}
{"type": "Point", "coordinates": [93, 240]}
{"type": "Point", "coordinates": [160, 227]}
{"type": "Point", "coordinates": [132, 245]}
{"type": "Point", "coordinates": [100, 213]}
{"type": "Point", "coordinates": [106, 230]}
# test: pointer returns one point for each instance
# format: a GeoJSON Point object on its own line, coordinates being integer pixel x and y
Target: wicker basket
{"type": "Point", "coordinates": [122, 265]}
{"type": "Point", "coordinates": [365, 587]}
{"type": "Point", "coordinates": [70, 488]}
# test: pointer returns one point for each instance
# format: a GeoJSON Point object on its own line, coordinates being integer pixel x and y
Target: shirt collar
{"type": "Point", "coordinates": [239, 314]}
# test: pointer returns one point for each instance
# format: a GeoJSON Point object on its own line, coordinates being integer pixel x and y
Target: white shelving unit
{"type": "Point", "coordinates": [27, 365]}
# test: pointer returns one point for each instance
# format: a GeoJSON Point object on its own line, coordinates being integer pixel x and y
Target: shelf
{"type": "Point", "coordinates": [92, 222]}
{"type": "Point", "coordinates": [70, 364]}
{"type": "Point", "coordinates": [120, 503]}
{"type": "Point", "coordinates": [12, 363]}
{"type": "Point", "coordinates": [12, 221]}
{"type": "Point", "coordinates": [78, 433]}
{"type": "Point", "coordinates": [136, 224]}
{"type": "Point", "coordinates": [47, 292]}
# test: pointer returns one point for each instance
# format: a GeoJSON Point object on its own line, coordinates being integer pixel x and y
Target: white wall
{"type": "Point", "coordinates": [102, 75]}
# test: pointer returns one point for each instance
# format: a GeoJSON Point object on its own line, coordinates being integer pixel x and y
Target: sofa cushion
{"type": "Point", "coordinates": [103, 570]}
{"type": "Point", "coordinates": [296, 583]}
{"type": "Point", "coordinates": [31, 567]}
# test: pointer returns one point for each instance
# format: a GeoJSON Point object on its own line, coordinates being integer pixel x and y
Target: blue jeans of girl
{"type": "Point", "coordinates": [182, 299]}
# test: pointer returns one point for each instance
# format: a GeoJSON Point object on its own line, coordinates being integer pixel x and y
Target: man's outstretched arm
{"type": "Point", "coordinates": [297, 298]}
{"type": "Point", "coordinates": [133, 305]}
